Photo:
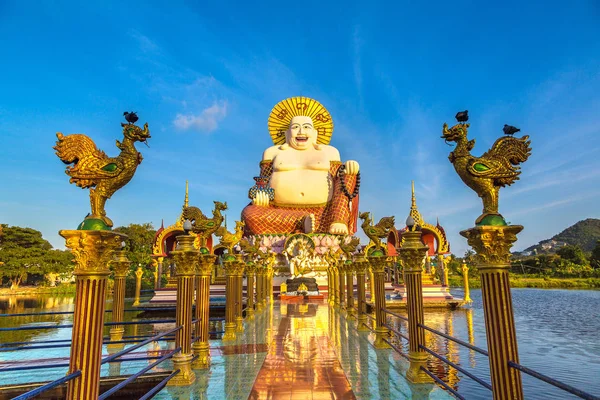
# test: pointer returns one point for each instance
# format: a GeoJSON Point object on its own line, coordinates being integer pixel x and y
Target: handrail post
{"type": "Point", "coordinates": [250, 274]}
{"type": "Point", "coordinates": [186, 259]}
{"type": "Point", "coordinates": [342, 284]}
{"type": "Point", "coordinates": [259, 285]}
{"type": "Point", "coordinates": [120, 266]}
{"type": "Point", "coordinates": [239, 319]}
{"type": "Point", "coordinates": [412, 253]}
{"type": "Point", "coordinates": [360, 265]}
{"type": "Point", "coordinates": [378, 264]}
{"type": "Point", "coordinates": [200, 348]}
{"type": "Point", "coordinates": [350, 315]}
{"type": "Point", "coordinates": [492, 245]}
{"type": "Point", "coordinates": [159, 270]}
{"type": "Point", "coordinates": [138, 285]}
{"type": "Point", "coordinates": [335, 284]}
{"type": "Point", "coordinates": [93, 251]}
{"type": "Point", "coordinates": [230, 267]}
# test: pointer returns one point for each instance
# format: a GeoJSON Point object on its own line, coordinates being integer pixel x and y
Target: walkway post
{"type": "Point", "coordinates": [138, 285]}
{"type": "Point", "coordinates": [93, 250]}
{"type": "Point", "coordinates": [465, 273]}
{"type": "Point", "coordinates": [230, 267]}
{"type": "Point", "coordinates": [160, 271]}
{"type": "Point", "coordinates": [239, 319]}
{"type": "Point", "coordinates": [259, 285]}
{"type": "Point", "coordinates": [186, 260]}
{"type": "Point", "coordinates": [120, 266]}
{"type": "Point", "coordinates": [200, 347]}
{"type": "Point", "coordinates": [492, 245]}
{"type": "Point", "coordinates": [342, 283]}
{"type": "Point", "coordinates": [349, 267]}
{"type": "Point", "coordinates": [335, 282]}
{"type": "Point", "coordinates": [250, 274]}
{"type": "Point", "coordinates": [360, 265]}
{"type": "Point", "coordinates": [412, 253]}
{"type": "Point", "coordinates": [378, 264]}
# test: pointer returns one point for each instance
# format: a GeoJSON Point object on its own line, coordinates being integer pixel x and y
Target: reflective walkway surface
{"type": "Point", "coordinates": [302, 351]}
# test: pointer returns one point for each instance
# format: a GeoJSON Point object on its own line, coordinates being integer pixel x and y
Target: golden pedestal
{"type": "Point", "coordinates": [351, 314]}
{"type": "Point", "coordinates": [492, 245]}
{"type": "Point", "coordinates": [360, 265]}
{"type": "Point", "coordinates": [93, 251]}
{"type": "Point", "coordinates": [201, 348]}
{"type": "Point", "coordinates": [378, 265]}
{"type": "Point", "coordinates": [183, 363]}
{"type": "Point", "coordinates": [239, 319]}
{"type": "Point", "coordinates": [138, 286]}
{"type": "Point", "coordinates": [120, 266]}
{"type": "Point", "coordinates": [230, 267]}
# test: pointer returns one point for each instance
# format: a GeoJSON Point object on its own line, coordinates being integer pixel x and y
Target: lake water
{"type": "Point", "coordinates": [558, 333]}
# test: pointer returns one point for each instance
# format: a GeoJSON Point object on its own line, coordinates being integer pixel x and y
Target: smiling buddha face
{"type": "Point", "coordinates": [301, 135]}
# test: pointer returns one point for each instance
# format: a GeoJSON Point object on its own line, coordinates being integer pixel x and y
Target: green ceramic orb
{"type": "Point", "coordinates": [377, 253]}
{"type": "Point", "coordinates": [348, 261]}
{"type": "Point", "coordinates": [93, 224]}
{"type": "Point", "coordinates": [492, 220]}
{"type": "Point", "coordinates": [204, 250]}
{"type": "Point", "coordinates": [229, 257]}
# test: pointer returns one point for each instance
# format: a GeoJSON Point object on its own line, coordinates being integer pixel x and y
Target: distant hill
{"type": "Point", "coordinates": [584, 233]}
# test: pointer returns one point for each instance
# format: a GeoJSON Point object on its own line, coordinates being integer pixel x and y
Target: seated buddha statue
{"type": "Point", "coordinates": [303, 185]}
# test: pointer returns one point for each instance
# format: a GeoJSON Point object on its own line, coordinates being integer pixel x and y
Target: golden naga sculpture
{"type": "Point", "coordinates": [250, 250]}
{"type": "Point", "coordinates": [202, 225]}
{"type": "Point", "coordinates": [93, 169]}
{"type": "Point", "coordinates": [303, 185]}
{"type": "Point", "coordinates": [350, 248]}
{"type": "Point", "coordinates": [496, 168]}
{"type": "Point", "coordinates": [376, 232]}
{"type": "Point", "coordinates": [229, 240]}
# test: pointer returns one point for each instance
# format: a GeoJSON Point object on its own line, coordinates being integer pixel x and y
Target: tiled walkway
{"type": "Point", "coordinates": [302, 351]}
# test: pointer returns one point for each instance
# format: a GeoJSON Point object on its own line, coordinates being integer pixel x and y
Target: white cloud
{"type": "Point", "coordinates": [206, 121]}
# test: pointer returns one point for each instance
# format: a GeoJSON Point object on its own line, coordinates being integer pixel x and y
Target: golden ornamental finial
{"type": "Point", "coordinates": [496, 168]}
{"type": "Point", "coordinates": [186, 200]}
{"type": "Point", "coordinates": [414, 211]}
{"type": "Point", "coordinates": [103, 175]}
{"type": "Point", "coordinates": [376, 232]}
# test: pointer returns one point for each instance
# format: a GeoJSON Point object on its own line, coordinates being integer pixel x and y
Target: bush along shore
{"type": "Point", "coordinates": [517, 281]}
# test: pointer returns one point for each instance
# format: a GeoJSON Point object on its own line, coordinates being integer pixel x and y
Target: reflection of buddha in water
{"type": "Point", "coordinates": [313, 190]}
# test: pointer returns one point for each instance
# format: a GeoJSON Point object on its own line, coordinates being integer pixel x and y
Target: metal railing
{"type": "Point", "coordinates": [48, 386]}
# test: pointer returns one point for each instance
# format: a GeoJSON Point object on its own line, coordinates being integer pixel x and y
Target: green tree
{"type": "Point", "coordinates": [24, 251]}
{"type": "Point", "coordinates": [573, 254]}
{"type": "Point", "coordinates": [595, 258]}
{"type": "Point", "coordinates": [140, 238]}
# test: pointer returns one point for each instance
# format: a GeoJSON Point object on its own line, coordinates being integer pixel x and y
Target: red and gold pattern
{"type": "Point", "coordinates": [290, 219]}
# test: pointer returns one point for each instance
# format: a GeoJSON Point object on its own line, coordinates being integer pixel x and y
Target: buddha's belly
{"type": "Point", "coordinates": [301, 187]}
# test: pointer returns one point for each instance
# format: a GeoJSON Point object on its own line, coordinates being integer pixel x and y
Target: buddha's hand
{"type": "Point", "coordinates": [261, 199]}
{"type": "Point", "coordinates": [352, 167]}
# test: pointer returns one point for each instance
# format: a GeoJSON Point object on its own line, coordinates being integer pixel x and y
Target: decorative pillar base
{"type": "Point", "coordinates": [380, 334]}
{"type": "Point", "coordinates": [239, 324]}
{"type": "Point", "coordinates": [202, 351]}
{"type": "Point", "coordinates": [183, 363]}
{"type": "Point", "coordinates": [229, 334]}
{"type": "Point", "coordinates": [350, 315]}
{"type": "Point", "coordinates": [415, 374]}
{"type": "Point", "coordinates": [259, 306]}
{"type": "Point", "coordinates": [116, 334]}
{"type": "Point", "coordinates": [249, 313]}
{"type": "Point", "coordinates": [363, 320]}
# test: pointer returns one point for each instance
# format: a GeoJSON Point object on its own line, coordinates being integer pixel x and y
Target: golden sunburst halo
{"type": "Point", "coordinates": [283, 112]}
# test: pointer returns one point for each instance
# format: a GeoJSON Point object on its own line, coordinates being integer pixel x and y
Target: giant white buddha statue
{"type": "Point", "coordinates": [304, 186]}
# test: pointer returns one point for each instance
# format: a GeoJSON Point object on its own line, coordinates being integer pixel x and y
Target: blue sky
{"type": "Point", "coordinates": [205, 77]}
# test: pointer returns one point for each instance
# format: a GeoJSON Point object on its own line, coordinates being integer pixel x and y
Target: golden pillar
{"type": "Point", "coordinates": [239, 292]}
{"type": "Point", "coordinates": [138, 285]}
{"type": "Point", "coordinates": [259, 286]}
{"type": "Point", "coordinates": [492, 245]}
{"type": "Point", "coordinates": [351, 314]}
{"type": "Point", "coordinates": [335, 280]}
{"type": "Point", "coordinates": [186, 261]}
{"type": "Point", "coordinates": [446, 261]}
{"type": "Point", "coordinates": [270, 274]}
{"type": "Point", "coordinates": [465, 273]}
{"type": "Point", "coordinates": [378, 264]}
{"type": "Point", "coordinates": [360, 265]}
{"type": "Point", "coordinates": [120, 266]}
{"type": "Point", "coordinates": [250, 274]}
{"type": "Point", "coordinates": [93, 251]}
{"type": "Point", "coordinates": [160, 271]}
{"type": "Point", "coordinates": [342, 284]}
{"type": "Point", "coordinates": [442, 269]}
{"type": "Point", "coordinates": [412, 252]}
{"type": "Point", "coordinates": [331, 290]}
{"type": "Point", "coordinates": [200, 348]}
{"type": "Point", "coordinates": [230, 267]}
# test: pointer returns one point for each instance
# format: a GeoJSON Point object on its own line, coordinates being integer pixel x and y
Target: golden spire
{"type": "Point", "coordinates": [186, 201]}
{"type": "Point", "coordinates": [414, 212]}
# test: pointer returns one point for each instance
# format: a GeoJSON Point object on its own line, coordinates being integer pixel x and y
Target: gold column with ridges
{"type": "Point", "coordinates": [492, 245]}
{"type": "Point", "coordinates": [342, 284]}
{"type": "Point", "coordinates": [230, 267]}
{"type": "Point", "coordinates": [239, 292]}
{"type": "Point", "coordinates": [412, 253]}
{"type": "Point", "coordinates": [335, 282]}
{"type": "Point", "coordinates": [93, 251]}
{"type": "Point", "coordinates": [360, 265]}
{"type": "Point", "coordinates": [120, 266]}
{"type": "Point", "coordinates": [186, 261]}
{"type": "Point", "coordinates": [250, 275]}
{"type": "Point", "coordinates": [378, 264]}
{"type": "Point", "coordinates": [138, 286]}
{"type": "Point", "coordinates": [351, 314]}
{"type": "Point", "coordinates": [259, 285]}
{"type": "Point", "coordinates": [200, 347]}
